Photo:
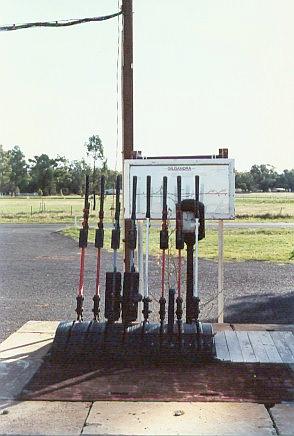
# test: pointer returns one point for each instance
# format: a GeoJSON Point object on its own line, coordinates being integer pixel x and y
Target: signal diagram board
{"type": "Point", "coordinates": [216, 181]}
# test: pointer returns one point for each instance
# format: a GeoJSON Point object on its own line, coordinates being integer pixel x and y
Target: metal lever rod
{"type": "Point", "coordinates": [148, 216]}
{"type": "Point", "coordinates": [196, 284]}
{"type": "Point", "coordinates": [179, 233]}
{"type": "Point", "coordinates": [179, 246]}
{"type": "Point", "coordinates": [164, 233]}
{"type": "Point", "coordinates": [133, 235]}
{"type": "Point", "coordinates": [115, 236]}
{"type": "Point", "coordinates": [131, 295]}
{"type": "Point", "coordinates": [146, 299]}
{"type": "Point", "coordinates": [99, 238]}
{"type": "Point", "coordinates": [83, 241]}
{"type": "Point", "coordinates": [163, 246]}
{"type": "Point", "coordinates": [99, 241]}
{"type": "Point", "coordinates": [113, 280]}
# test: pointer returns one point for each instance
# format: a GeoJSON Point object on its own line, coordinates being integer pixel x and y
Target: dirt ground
{"type": "Point", "coordinates": [39, 271]}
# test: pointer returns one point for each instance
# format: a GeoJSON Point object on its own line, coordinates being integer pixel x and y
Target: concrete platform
{"type": "Point", "coordinates": [43, 417]}
{"type": "Point", "coordinates": [178, 418]}
{"type": "Point", "coordinates": [22, 354]}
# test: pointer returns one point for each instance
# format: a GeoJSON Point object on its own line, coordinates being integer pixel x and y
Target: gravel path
{"type": "Point", "coordinates": [39, 272]}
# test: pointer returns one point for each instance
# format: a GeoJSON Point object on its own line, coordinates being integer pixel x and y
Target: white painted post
{"type": "Point", "coordinates": [196, 265]}
{"type": "Point", "coordinates": [140, 263]}
{"type": "Point", "coordinates": [220, 288]}
{"type": "Point", "coordinates": [146, 277]}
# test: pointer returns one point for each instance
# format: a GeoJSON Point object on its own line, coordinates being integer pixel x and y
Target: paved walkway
{"type": "Point", "coordinates": [21, 355]}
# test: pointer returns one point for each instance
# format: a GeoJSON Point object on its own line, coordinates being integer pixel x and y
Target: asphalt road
{"type": "Point", "coordinates": [39, 271]}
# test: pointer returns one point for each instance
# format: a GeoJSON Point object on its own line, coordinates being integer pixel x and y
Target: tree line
{"type": "Point", "coordinates": [53, 176]}
{"type": "Point", "coordinates": [264, 178]}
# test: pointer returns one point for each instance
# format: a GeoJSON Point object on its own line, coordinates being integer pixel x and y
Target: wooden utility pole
{"type": "Point", "coordinates": [127, 100]}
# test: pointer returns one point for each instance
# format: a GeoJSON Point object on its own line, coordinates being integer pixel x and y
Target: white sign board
{"type": "Point", "coordinates": [216, 180]}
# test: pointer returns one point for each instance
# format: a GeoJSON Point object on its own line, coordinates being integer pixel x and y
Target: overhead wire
{"type": "Point", "coordinates": [72, 22]}
{"type": "Point", "coordinates": [58, 23]}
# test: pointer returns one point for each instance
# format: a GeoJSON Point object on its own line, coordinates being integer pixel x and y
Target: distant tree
{"type": "Point", "coordinates": [244, 181]}
{"type": "Point", "coordinates": [110, 175]}
{"type": "Point", "coordinates": [264, 177]}
{"type": "Point", "coordinates": [61, 175]}
{"type": "Point", "coordinates": [77, 173]}
{"type": "Point", "coordinates": [42, 174]}
{"type": "Point", "coordinates": [96, 153]}
{"type": "Point", "coordinates": [19, 174]}
{"type": "Point", "coordinates": [286, 180]}
{"type": "Point", "coordinates": [5, 171]}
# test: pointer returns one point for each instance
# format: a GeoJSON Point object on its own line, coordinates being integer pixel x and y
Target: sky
{"type": "Point", "coordinates": [208, 74]}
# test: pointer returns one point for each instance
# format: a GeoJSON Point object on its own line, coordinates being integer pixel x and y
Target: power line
{"type": "Point", "coordinates": [59, 23]}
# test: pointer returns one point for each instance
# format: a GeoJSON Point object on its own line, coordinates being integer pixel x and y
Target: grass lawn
{"type": "Point", "coordinates": [249, 207]}
{"type": "Point", "coordinates": [48, 209]}
{"type": "Point", "coordinates": [263, 206]}
{"type": "Point", "coordinates": [239, 244]}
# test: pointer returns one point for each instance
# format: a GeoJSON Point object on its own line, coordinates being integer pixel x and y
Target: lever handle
{"type": "Point", "coordinates": [197, 188]}
{"type": "Point", "coordinates": [197, 195]}
{"type": "Point", "coordinates": [179, 189]}
{"type": "Point", "coordinates": [179, 232]}
{"type": "Point", "coordinates": [102, 192]}
{"type": "Point", "coordinates": [117, 195]}
{"type": "Point", "coordinates": [164, 195]}
{"type": "Point", "coordinates": [148, 215]}
{"type": "Point", "coordinates": [87, 188]}
{"type": "Point", "coordinates": [134, 199]}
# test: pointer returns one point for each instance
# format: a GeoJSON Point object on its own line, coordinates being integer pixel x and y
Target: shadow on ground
{"type": "Point", "coordinates": [16, 371]}
{"type": "Point", "coordinates": [210, 381]}
{"type": "Point", "coordinates": [265, 308]}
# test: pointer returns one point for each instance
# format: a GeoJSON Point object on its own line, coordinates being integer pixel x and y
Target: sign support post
{"type": "Point", "coordinates": [220, 287]}
{"type": "Point", "coordinates": [140, 263]}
